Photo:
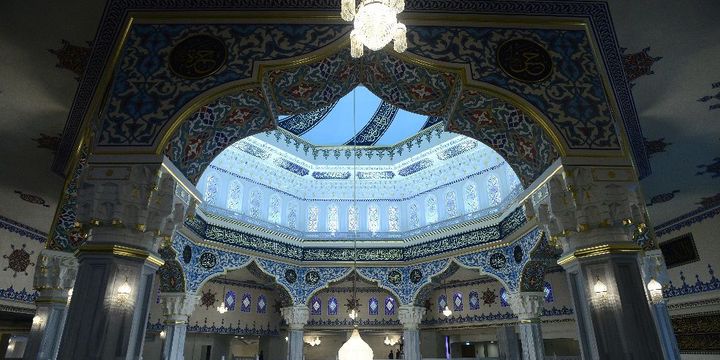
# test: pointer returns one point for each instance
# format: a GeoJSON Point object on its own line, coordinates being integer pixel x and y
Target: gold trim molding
{"type": "Point", "coordinates": [121, 251]}
{"type": "Point", "coordinates": [599, 250]}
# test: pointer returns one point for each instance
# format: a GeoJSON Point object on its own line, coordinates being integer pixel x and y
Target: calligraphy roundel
{"type": "Point", "coordinates": [290, 276]}
{"type": "Point", "coordinates": [497, 260]}
{"type": "Point", "coordinates": [524, 60]}
{"type": "Point", "coordinates": [312, 277]}
{"type": "Point", "coordinates": [415, 276]}
{"type": "Point", "coordinates": [395, 277]}
{"type": "Point", "coordinates": [208, 260]}
{"type": "Point", "coordinates": [198, 56]}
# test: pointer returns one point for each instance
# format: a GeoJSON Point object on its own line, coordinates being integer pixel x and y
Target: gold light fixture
{"type": "Point", "coordinates": [447, 312]}
{"type": "Point", "coordinates": [600, 288]}
{"type": "Point", "coordinates": [375, 24]}
{"type": "Point", "coordinates": [655, 290]}
{"type": "Point", "coordinates": [222, 308]}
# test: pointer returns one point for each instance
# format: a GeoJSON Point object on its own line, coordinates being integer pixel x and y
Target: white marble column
{"type": "Point", "coordinates": [54, 277]}
{"type": "Point", "coordinates": [296, 317]}
{"type": "Point", "coordinates": [653, 268]}
{"type": "Point", "coordinates": [125, 209]}
{"type": "Point", "coordinates": [528, 308]}
{"type": "Point", "coordinates": [410, 317]}
{"type": "Point", "coordinates": [596, 214]}
{"type": "Point", "coordinates": [177, 308]}
{"type": "Point", "coordinates": [508, 343]}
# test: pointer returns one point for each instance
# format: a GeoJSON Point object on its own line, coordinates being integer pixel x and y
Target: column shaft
{"type": "Point", "coordinates": [410, 317]}
{"type": "Point", "coordinates": [532, 341]}
{"type": "Point", "coordinates": [411, 344]}
{"type": "Point", "coordinates": [295, 344]}
{"type": "Point", "coordinates": [295, 317]}
{"type": "Point", "coordinates": [508, 343]}
{"type": "Point", "coordinates": [47, 327]}
{"type": "Point", "coordinates": [174, 345]}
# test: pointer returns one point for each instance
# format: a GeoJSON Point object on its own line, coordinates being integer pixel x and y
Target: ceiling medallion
{"type": "Point", "coordinates": [375, 24]}
{"type": "Point", "coordinates": [524, 60]}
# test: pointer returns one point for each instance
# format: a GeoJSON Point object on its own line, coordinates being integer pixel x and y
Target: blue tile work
{"type": "Point", "coordinates": [685, 220]}
{"type": "Point", "coordinates": [415, 167]}
{"type": "Point", "coordinates": [374, 175]}
{"type": "Point", "coordinates": [331, 175]}
{"type": "Point", "coordinates": [456, 150]}
{"type": "Point", "coordinates": [253, 150]}
{"type": "Point", "coordinates": [222, 329]}
{"type": "Point", "coordinates": [292, 167]}
{"type": "Point", "coordinates": [348, 323]}
{"type": "Point", "coordinates": [268, 246]}
{"type": "Point", "coordinates": [22, 295]}
{"type": "Point", "coordinates": [699, 286]}
{"type": "Point", "coordinates": [302, 123]}
{"type": "Point", "coordinates": [507, 316]}
{"type": "Point", "coordinates": [22, 229]}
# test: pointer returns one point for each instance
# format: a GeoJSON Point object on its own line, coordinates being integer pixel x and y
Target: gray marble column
{"type": "Point", "coordinates": [528, 308]}
{"type": "Point", "coordinates": [177, 308]}
{"type": "Point", "coordinates": [596, 215]}
{"type": "Point", "coordinates": [125, 211]}
{"type": "Point", "coordinates": [54, 277]}
{"type": "Point", "coordinates": [653, 268]}
{"type": "Point", "coordinates": [295, 317]}
{"type": "Point", "coordinates": [508, 343]}
{"type": "Point", "coordinates": [410, 317]}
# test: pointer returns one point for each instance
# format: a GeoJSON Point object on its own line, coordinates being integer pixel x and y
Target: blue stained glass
{"type": "Point", "coordinates": [246, 303]}
{"type": "Point", "coordinates": [332, 306]}
{"type": "Point", "coordinates": [332, 219]}
{"type": "Point", "coordinates": [503, 297]}
{"type": "Point", "coordinates": [211, 189]}
{"type": "Point", "coordinates": [474, 300]}
{"type": "Point", "coordinates": [275, 212]}
{"type": "Point", "coordinates": [316, 306]}
{"type": "Point", "coordinates": [230, 298]}
{"type": "Point", "coordinates": [457, 302]}
{"type": "Point", "coordinates": [493, 190]}
{"type": "Point", "coordinates": [442, 303]}
{"type": "Point", "coordinates": [431, 213]}
{"type": "Point", "coordinates": [548, 292]}
{"type": "Point", "coordinates": [390, 306]}
{"type": "Point", "coordinates": [373, 306]}
{"type": "Point", "coordinates": [471, 198]}
{"type": "Point", "coordinates": [451, 204]}
{"type": "Point", "coordinates": [313, 217]}
{"type": "Point", "coordinates": [393, 219]}
{"type": "Point", "coordinates": [235, 194]}
{"type": "Point", "coordinates": [261, 304]}
{"type": "Point", "coordinates": [255, 200]}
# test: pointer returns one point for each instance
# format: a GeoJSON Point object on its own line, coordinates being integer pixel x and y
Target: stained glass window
{"type": "Point", "coordinates": [211, 188]}
{"type": "Point", "coordinates": [332, 219]}
{"type": "Point", "coordinates": [442, 303]}
{"type": "Point", "coordinates": [431, 213]}
{"type": "Point", "coordinates": [373, 306]}
{"type": "Point", "coordinates": [353, 221]}
{"type": "Point", "coordinates": [316, 306]}
{"type": "Point", "coordinates": [332, 306]}
{"type": "Point", "coordinates": [230, 300]}
{"type": "Point", "coordinates": [503, 297]}
{"type": "Point", "coordinates": [457, 302]}
{"type": "Point", "coordinates": [261, 304]}
{"type": "Point", "coordinates": [234, 200]}
{"type": "Point", "coordinates": [471, 198]}
{"type": "Point", "coordinates": [255, 200]}
{"type": "Point", "coordinates": [548, 291]}
{"type": "Point", "coordinates": [390, 306]}
{"type": "Point", "coordinates": [312, 219]}
{"type": "Point", "coordinates": [474, 300]}
{"type": "Point", "coordinates": [275, 210]}
{"type": "Point", "coordinates": [246, 302]}
{"type": "Point", "coordinates": [393, 219]}
{"type": "Point", "coordinates": [414, 218]}
{"type": "Point", "coordinates": [451, 203]}
{"type": "Point", "coordinates": [292, 216]}
{"type": "Point", "coordinates": [373, 219]}
{"type": "Point", "coordinates": [493, 190]}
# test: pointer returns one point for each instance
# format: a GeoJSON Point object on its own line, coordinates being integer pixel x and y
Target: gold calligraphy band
{"type": "Point", "coordinates": [122, 251]}
{"type": "Point", "coordinates": [598, 250]}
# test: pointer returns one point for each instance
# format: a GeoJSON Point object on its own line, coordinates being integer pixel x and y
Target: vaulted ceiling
{"type": "Point", "coordinates": [671, 52]}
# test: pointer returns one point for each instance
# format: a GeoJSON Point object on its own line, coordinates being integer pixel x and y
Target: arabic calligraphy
{"type": "Point", "coordinates": [524, 60]}
{"type": "Point", "coordinates": [198, 56]}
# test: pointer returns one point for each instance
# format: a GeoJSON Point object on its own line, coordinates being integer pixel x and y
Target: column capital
{"type": "Point", "coordinates": [140, 200]}
{"type": "Point", "coordinates": [527, 305]}
{"type": "Point", "coordinates": [55, 271]}
{"type": "Point", "coordinates": [296, 316]}
{"type": "Point", "coordinates": [410, 316]}
{"type": "Point", "coordinates": [585, 206]}
{"type": "Point", "coordinates": [177, 307]}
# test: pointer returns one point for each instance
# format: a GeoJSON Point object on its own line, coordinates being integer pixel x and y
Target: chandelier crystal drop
{"type": "Point", "coordinates": [222, 308]}
{"type": "Point", "coordinates": [375, 25]}
{"type": "Point", "coordinates": [447, 312]}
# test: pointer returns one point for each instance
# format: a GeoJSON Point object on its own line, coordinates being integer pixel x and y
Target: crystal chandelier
{"type": "Point", "coordinates": [355, 348]}
{"type": "Point", "coordinates": [222, 308]}
{"type": "Point", "coordinates": [375, 24]}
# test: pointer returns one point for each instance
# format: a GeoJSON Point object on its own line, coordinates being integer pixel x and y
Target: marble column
{"type": "Point", "coordinates": [653, 268]}
{"type": "Point", "coordinates": [177, 308]}
{"type": "Point", "coordinates": [295, 317]}
{"type": "Point", "coordinates": [528, 308]}
{"type": "Point", "coordinates": [596, 213]}
{"type": "Point", "coordinates": [54, 277]}
{"type": "Point", "coordinates": [410, 317]}
{"type": "Point", "coordinates": [125, 210]}
{"type": "Point", "coordinates": [508, 343]}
